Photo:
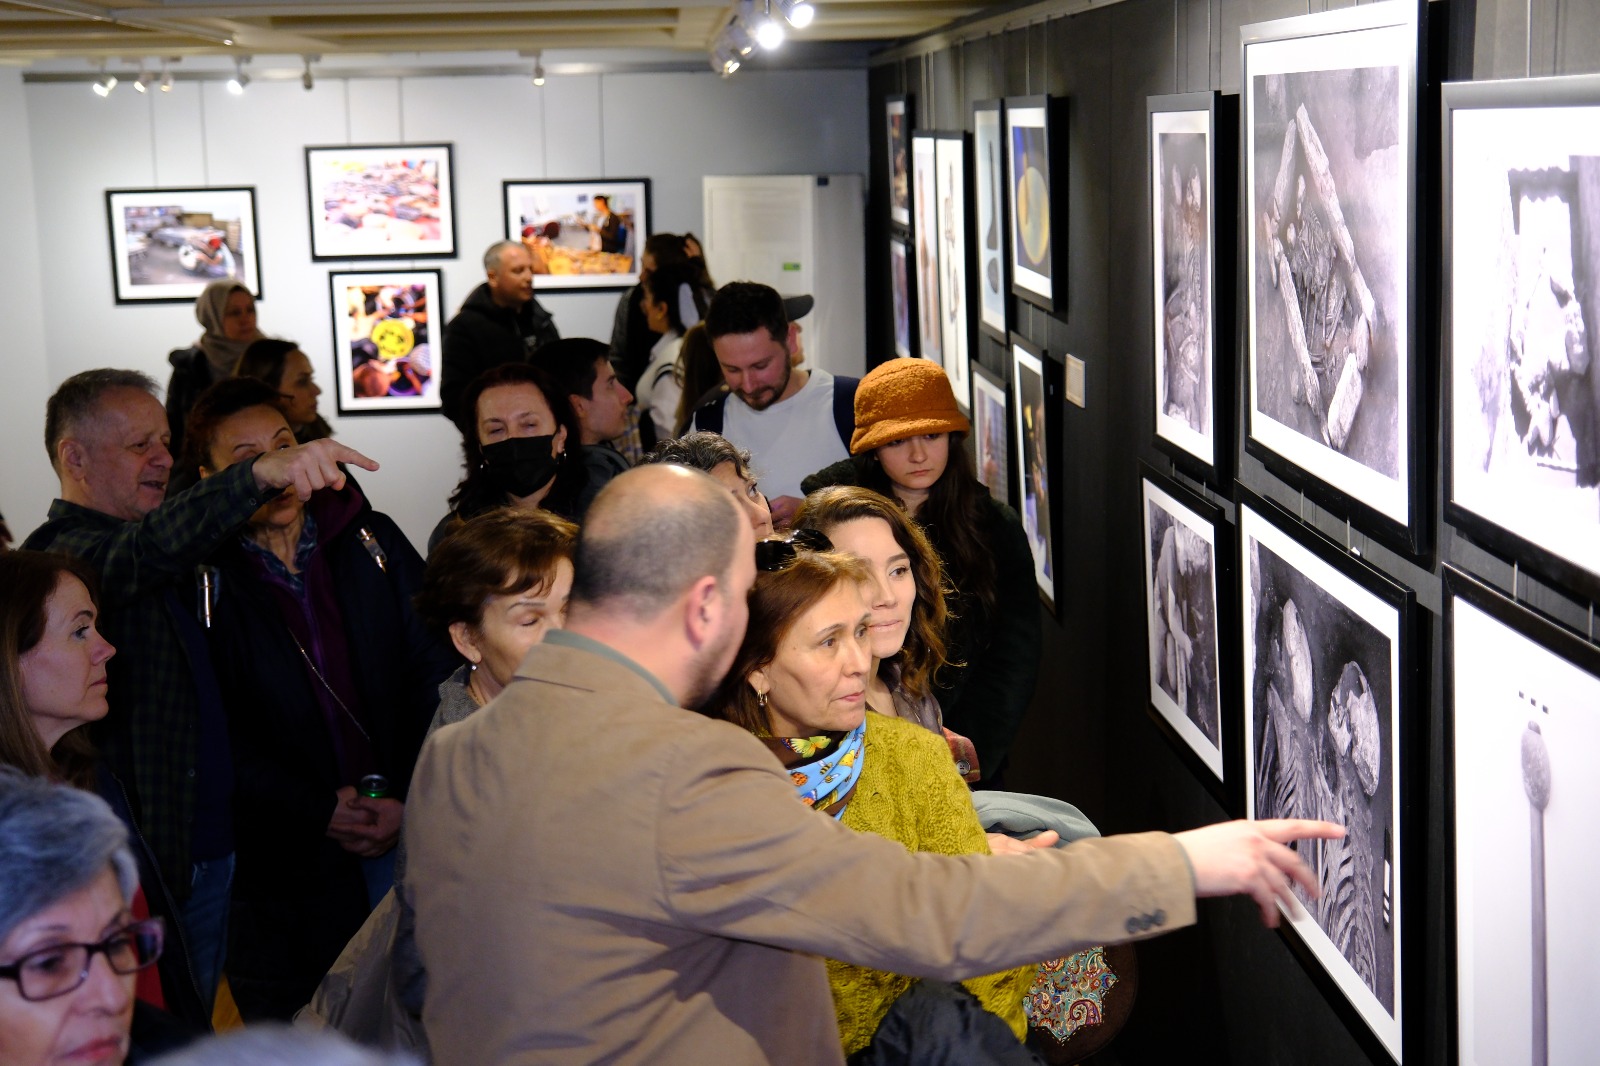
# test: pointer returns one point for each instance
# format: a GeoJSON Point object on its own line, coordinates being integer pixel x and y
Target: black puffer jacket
{"type": "Point", "coordinates": [483, 335]}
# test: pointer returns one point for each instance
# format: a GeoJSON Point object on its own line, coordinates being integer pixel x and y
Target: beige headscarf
{"type": "Point", "coordinates": [222, 353]}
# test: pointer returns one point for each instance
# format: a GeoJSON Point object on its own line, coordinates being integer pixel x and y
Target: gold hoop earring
{"type": "Point", "coordinates": [761, 699]}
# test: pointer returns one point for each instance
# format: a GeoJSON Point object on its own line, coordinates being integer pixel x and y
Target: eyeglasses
{"type": "Point", "coordinates": [61, 968]}
{"type": "Point", "coordinates": [775, 554]}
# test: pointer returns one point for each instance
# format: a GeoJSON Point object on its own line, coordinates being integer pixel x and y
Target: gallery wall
{"type": "Point", "coordinates": [58, 300]}
{"type": "Point", "coordinates": [1227, 990]}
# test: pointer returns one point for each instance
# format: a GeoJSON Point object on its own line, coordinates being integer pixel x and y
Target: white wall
{"type": "Point", "coordinates": [671, 128]}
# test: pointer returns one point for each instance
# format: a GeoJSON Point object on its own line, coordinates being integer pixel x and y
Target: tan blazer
{"type": "Point", "coordinates": [599, 876]}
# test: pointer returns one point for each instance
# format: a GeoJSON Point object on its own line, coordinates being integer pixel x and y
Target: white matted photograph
{"type": "Point", "coordinates": [1524, 714]}
{"type": "Point", "coordinates": [1031, 200]}
{"type": "Point", "coordinates": [925, 237]}
{"type": "Point", "coordinates": [167, 245]}
{"type": "Point", "coordinates": [582, 235]}
{"type": "Point", "coordinates": [897, 112]}
{"type": "Point", "coordinates": [1329, 251]}
{"type": "Point", "coordinates": [1181, 607]}
{"type": "Point", "coordinates": [989, 189]}
{"type": "Point", "coordinates": [1030, 402]}
{"type": "Point", "coordinates": [1523, 280]}
{"type": "Point", "coordinates": [1182, 230]}
{"type": "Point", "coordinates": [391, 201]}
{"type": "Point", "coordinates": [950, 158]}
{"type": "Point", "coordinates": [384, 340]}
{"type": "Point", "coordinates": [1323, 676]}
{"type": "Point", "coordinates": [991, 432]}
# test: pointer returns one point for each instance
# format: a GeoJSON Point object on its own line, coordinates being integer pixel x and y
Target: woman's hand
{"type": "Point", "coordinates": [1000, 844]}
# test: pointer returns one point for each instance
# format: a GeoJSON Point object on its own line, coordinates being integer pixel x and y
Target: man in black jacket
{"type": "Point", "coordinates": [499, 323]}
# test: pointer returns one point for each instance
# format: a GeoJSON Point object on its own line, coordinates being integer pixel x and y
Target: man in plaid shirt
{"type": "Point", "coordinates": [107, 435]}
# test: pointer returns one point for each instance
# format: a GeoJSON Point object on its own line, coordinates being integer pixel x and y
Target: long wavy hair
{"type": "Point", "coordinates": [477, 493]}
{"type": "Point", "coordinates": [30, 578]}
{"type": "Point", "coordinates": [924, 652]}
{"type": "Point", "coordinates": [954, 516]}
{"type": "Point", "coordinates": [777, 601]}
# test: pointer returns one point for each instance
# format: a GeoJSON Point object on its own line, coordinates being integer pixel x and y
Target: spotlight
{"type": "Point", "coordinates": [307, 82]}
{"type": "Point", "coordinates": [104, 84]}
{"type": "Point", "coordinates": [142, 84]}
{"type": "Point", "coordinates": [798, 12]}
{"type": "Point", "coordinates": [738, 38]}
{"type": "Point", "coordinates": [166, 78]}
{"type": "Point", "coordinates": [240, 80]}
{"type": "Point", "coordinates": [538, 68]}
{"type": "Point", "coordinates": [769, 31]}
{"type": "Point", "coordinates": [724, 60]}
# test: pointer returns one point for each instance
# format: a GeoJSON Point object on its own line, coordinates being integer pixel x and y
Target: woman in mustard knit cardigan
{"type": "Point", "coordinates": [800, 681]}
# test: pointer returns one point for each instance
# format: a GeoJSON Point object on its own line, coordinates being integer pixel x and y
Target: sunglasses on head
{"type": "Point", "coordinates": [776, 553]}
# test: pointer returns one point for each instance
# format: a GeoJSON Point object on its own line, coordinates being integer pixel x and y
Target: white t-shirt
{"type": "Point", "coordinates": [789, 440]}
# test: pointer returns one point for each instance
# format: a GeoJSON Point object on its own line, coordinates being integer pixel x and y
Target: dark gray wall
{"type": "Point", "coordinates": [1228, 990]}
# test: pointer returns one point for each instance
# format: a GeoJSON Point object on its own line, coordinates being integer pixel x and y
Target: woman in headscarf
{"type": "Point", "coordinates": [227, 313]}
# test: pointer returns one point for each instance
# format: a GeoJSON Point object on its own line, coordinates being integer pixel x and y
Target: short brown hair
{"type": "Point", "coordinates": [497, 553]}
{"type": "Point", "coordinates": [220, 401]}
{"type": "Point", "coordinates": [777, 601]}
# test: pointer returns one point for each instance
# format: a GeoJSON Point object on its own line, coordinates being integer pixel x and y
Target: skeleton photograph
{"type": "Point", "coordinates": [1181, 181]}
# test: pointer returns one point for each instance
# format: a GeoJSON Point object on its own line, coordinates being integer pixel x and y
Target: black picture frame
{"type": "Point", "coordinates": [925, 244]}
{"type": "Point", "coordinates": [558, 208]}
{"type": "Point", "coordinates": [902, 296]}
{"type": "Point", "coordinates": [1346, 251]}
{"type": "Point", "coordinates": [160, 255]}
{"type": "Point", "coordinates": [1522, 729]}
{"type": "Point", "coordinates": [1036, 395]}
{"type": "Point", "coordinates": [1036, 138]}
{"type": "Point", "coordinates": [1192, 143]}
{"type": "Point", "coordinates": [383, 344]}
{"type": "Point", "coordinates": [991, 224]}
{"type": "Point", "coordinates": [900, 118]}
{"type": "Point", "coordinates": [1337, 693]}
{"type": "Point", "coordinates": [350, 186]}
{"type": "Point", "coordinates": [993, 446]}
{"type": "Point", "coordinates": [1516, 450]}
{"type": "Point", "coordinates": [1189, 598]}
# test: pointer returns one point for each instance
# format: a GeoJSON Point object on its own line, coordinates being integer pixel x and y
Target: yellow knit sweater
{"type": "Point", "coordinates": [909, 791]}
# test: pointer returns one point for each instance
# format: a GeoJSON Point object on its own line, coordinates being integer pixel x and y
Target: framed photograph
{"type": "Point", "coordinates": [955, 304]}
{"type": "Point", "coordinates": [1191, 206]}
{"type": "Point", "coordinates": [925, 235]}
{"type": "Point", "coordinates": [1035, 401]}
{"type": "Point", "coordinates": [991, 432]}
{"type": "Point", "coordinates": [1522, 320]}
{"type": "Point", "coordinates": [900, 118]}
{"type": "Point", "coordinates": [383, 340]}
{"type": "Point", "coordinates": [381, 201]}
{"type": "Point", "coordinates": [989, 164]}
{"type": "Point", "coordinates": [1524, 728]}
{"type": "Point", "coordinates": [169, 244]}
{"type": "Point", "coordinates": [900, 285]}
{"type": "Point", "coordinates": [1036, 198]}
{"type": "Point", "coordinates": [1327, 655]}
{"type": "Point", "coordinates": [583, 235]}
{"type": "Point", "coordinates": [1188, 562]}
{"type": "Point", "coordinates": [1332, 404]}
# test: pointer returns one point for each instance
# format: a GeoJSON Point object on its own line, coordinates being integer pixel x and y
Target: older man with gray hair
{"type": "Point", "coordinates": [500, 322]}
{"type": "Point", "coordinates": [600, 875]}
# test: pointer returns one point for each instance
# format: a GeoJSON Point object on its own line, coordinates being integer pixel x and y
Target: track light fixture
{"type": "Point", "coordinates": [769, 31]}
{"type": "Point", "coordinates": [724, 60]}
{"type": "Point", "coordinates": [104, 83]}
{"type": "Point", "coordinates": [142, 83]}
{"type": "Point", "coordinates": [166, 78]}
{"type": "Point", "coordinates": [538, 68]}
{"type": "Point", "coordinates": [799, 13]}
{"type": "Point", "coordinates": [240, 80]}
{"type": "Point", "coordinates": [738, 38]}
{"type": "Point", "coordinates": [757, 22]}
{"type": "Point", "coordinates": [307, 82]}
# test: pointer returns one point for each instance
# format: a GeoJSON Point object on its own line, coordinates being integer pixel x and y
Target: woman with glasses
{"type": "Point", "coordinates": [802, 681]}
{"type": "Point", "coordinates": [70, 945]}
{"type": "Point", "coordinates": [52, 690]}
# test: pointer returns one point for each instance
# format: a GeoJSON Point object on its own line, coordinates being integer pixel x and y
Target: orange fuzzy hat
{"type": "Point", "coordinates": [902, 398]}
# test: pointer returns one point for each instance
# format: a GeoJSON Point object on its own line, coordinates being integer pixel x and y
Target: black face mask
{"type": "Point", "coordinates": [521, 466]}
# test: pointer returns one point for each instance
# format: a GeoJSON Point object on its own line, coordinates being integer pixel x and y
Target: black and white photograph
{"type": "Point", "coordinates": [1031, 199]}
{"type": "Point", "coordinates": [1524, 714]}
{"type": "Point", "coordinates": [1181, 212]}
{"type": "Point", "coordinates": [167, 245]}
{"type": "Point", "coordinates": [900, 286]}
{"type": "Point", "coordinates": [582, 235]}
{"type": "Point", "coordinates": [1330, 156]}
{"type": "Point", "coordinates": [1523, 269]}
{"type": "Point", "coordinates": [1323, 670]}
{"type": "Point", "coordinates": [393, 201]}
{"type": "Point", "coordinates": [1181, 588]}
{"type": "Point", "coordinates": [925, 237]}
{"type": "Point", "coordinates": [950, 159]}
{"type": "Point", "coordinates": [989, 189]}
{"type": "Point", "coordinates": [991, 432]}
{"type": "Point", "coordinates": [898, 113]}
{"type": "Point", "coordinates": [1030, 400]}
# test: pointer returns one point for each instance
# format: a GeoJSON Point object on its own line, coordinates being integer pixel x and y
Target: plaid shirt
{"type": "Point", "coordinates": [153, 726]}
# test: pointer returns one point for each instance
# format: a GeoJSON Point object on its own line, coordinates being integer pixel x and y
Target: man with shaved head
{"type": "Point", "coordinates": [499, 322]}
{"type": "Point", "coordinates": [599, 875]}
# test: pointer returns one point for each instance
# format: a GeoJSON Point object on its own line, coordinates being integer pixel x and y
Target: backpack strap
{"type": "Point", "coordinates": [844, 407]}
{"type": "Point", "coordinates": [708, 416]}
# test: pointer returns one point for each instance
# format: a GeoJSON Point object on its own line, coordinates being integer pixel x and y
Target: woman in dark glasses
{"type": "Point", "coordinates": [69, 944]}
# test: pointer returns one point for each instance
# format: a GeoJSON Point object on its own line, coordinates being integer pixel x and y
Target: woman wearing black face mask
{"type": "Point", "coordinates": [516, 452]}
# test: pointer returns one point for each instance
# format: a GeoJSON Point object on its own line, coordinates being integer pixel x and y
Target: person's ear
{"type": "Point", "coordinates": [72, 457]}
{"type": "Point", "coordinates": [791, 340]}
{"type": "Point", "coordinates": [580, 405]}
{"type": "Point", "coordinates": [462, 636]}
{"type": "Point", "coordinates": [703, 611]}
{"type": "Point", "coordinates": [559, 443]}
{"type": "Point", "coordinates": [758, 681]}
